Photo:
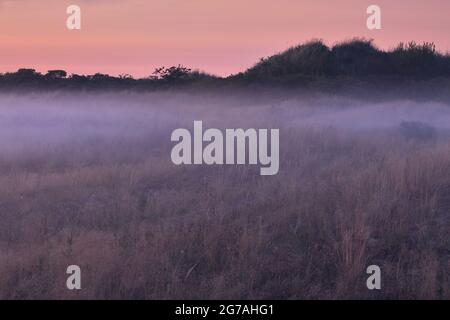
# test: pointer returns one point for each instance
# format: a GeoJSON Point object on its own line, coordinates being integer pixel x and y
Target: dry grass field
{"type": "Point", "coordinates": [87, 179]}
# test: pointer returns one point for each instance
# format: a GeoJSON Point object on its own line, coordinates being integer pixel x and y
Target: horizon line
{"type": "Point", "coordinates": [199, 70]}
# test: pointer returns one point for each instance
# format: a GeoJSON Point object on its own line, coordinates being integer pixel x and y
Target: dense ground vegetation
{"type": "Point", "coordinates": [312, 62]}
{"type": "Point", "coordinates": [87, 180]}
{"type": "Point", "coordinates": [358, 58]}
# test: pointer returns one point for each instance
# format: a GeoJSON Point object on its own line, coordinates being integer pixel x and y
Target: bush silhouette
{"type": "Point", "coordinates": [56, 74]}
{"type": "Point", "coordinates": [416, 130]}
{"type": "Point", "coordinates": [311, 58]}
{"type": "Point", "coordinates": [171, 74]}
{"type": "Point", "coordinates": [357, 57]}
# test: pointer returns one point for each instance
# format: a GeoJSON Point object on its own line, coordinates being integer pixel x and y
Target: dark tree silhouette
{"type": "Point", "coordinates": [56, 74]}
{"type": "Point", "coordinates": [173, 73]}
{"type": "Point", "coordinates": [27, 73]}
{"type": "Point", "coordinates": [310, 63]}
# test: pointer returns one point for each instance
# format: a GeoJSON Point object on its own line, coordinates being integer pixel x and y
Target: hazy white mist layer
{"type": "Point", "coordinates": [37, 122]}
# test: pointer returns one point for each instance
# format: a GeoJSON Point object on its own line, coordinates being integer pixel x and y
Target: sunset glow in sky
{"type": "Point", "coordinates": [217, 36]}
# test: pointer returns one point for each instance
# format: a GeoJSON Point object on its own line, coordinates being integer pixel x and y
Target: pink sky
{"type": "Point", "coordinates": [217, 36]}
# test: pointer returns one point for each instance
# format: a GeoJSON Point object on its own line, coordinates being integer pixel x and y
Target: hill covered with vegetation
{"type": "Point", "coordinates": [358, 59]}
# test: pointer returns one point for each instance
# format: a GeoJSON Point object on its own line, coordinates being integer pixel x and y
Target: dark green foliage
{"type": "Point", "coordinates": [413, 59]}
{"type": "Point", "coordinates": [310, 59]}
{"type": "Point", "coordinates": [311, 64]}
{"type": "Point", "coordinates": [58, 79]}
{"type": "Point", "coordinates": [173, 73]}
{"type": "Point", "coordinates": [356, 58]}
{"type": "Point", "coordinates": [56, 74]}
{"type": "Point", "coordinates": [359, 58]}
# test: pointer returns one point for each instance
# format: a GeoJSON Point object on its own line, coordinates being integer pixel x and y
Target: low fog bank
{"type": "Point", "coordinates": [60, 130]}
{"type": "Point", "coordinates": [54, 130]}
{"type": "Point", "coordinates": [53, 119]}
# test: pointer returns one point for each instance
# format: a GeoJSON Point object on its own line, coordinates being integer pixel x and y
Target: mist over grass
{"type": "Point", "coordinates": [86, 179]}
